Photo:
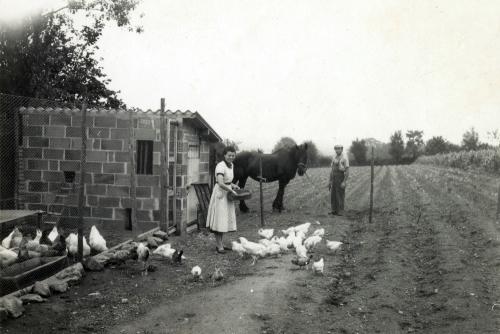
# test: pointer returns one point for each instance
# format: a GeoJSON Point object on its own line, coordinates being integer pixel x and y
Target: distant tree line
{"type": "Point", "coordinates": [397, 151]}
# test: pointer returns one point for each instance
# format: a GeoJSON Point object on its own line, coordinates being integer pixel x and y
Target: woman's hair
{"type": "Point", "coordinates": [228, 149]}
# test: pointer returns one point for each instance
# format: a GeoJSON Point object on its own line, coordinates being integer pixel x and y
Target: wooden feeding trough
{"type": "Point", "coordinates": [21, 275]}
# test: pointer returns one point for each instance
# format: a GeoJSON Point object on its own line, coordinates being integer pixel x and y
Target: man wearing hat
{"type": "Point", "coordinates": [338, 177]}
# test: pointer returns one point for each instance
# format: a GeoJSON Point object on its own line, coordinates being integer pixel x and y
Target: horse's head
{"type": "Point", "coordinates": [301, 158]}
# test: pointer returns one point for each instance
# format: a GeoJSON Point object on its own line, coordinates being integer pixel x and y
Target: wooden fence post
{"type": "Point", "coordinates": [163, 220]}
{"type": "Point", "coordinates": [133, 180]}
{"type": "Point", "coordinates": [176, 221]}
{"type": "Point", "coordinates": [81, 189]}
{"type": "Point", "coordinates": [371, 188]}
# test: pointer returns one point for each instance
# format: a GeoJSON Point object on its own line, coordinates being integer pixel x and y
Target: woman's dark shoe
{"type": "Point", "coordinates": [227, 248]}
{"type": "Point", "coordinates": [220, 251]}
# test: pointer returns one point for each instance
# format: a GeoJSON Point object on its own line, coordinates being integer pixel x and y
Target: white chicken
{"type": "Point", "coordinates": [282, 242]}
{"type": "Point", "coordinates": [266, 233]}
{"type": "Point", "coordinates": [254, 249]}
{"type": "Point", "coordinates": [265, 242]}
{"type": "Point", "coordinates": [143, 254]}
{"type": "Point", "coordinates": [238, 248]}
{"type": "Point", "coordinates": [318, 266]}
{"type": "Point", "coordinates": [7, 257]}
{"type": "Point", "coordinates": [17, 238]}
{"type": "Point", "coordinates": [6, 241]}
{"type": "Point", "coordinates": [97, 242]}
{"type": "Point", "coordinates": [72, 245]}
{"type": "Point", "coordinates": [273, 249]}
{"type": "Point", "coordinates": [288, 231]}
{"type": "Point", "coordinates": [301, 251]}
{"type": "Point", "coordinates": [319, 232]}
{"type": "Point", "coordinates": [297, 240]}
{"type": "Point", "coordinates": [165, 250]}
{"type": "Point", "coordinates": [34, 244]}
{"type": "Point", "coordinates": [333, 245]}
{"type": "Point", "coordinates": [312, 241]}
{"type": "Point", "coordinates": [53, 234]}
{"type": "Point", "coordinates": [302, 228]}
{"type": "Point", "coordinates": [196, 272]}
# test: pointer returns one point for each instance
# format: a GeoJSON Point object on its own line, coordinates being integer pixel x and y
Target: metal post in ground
{"type": "Point", "coordinates": [498, 205]}
{"type": "Point", "coordinates": [371, 187]}
{"type": "Point", "coordinates": [81, 189]}
{"type": "Point", "coordinates": [261, 178]}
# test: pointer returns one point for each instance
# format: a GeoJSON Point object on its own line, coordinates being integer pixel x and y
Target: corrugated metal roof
{"type": "Point", "coordinates": [123, 112]}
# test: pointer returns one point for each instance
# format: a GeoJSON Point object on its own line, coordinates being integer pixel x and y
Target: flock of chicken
{"type": "Point", "coordinates": [17, 247]}
{"type": "Point", "coordinates": [295, 237]}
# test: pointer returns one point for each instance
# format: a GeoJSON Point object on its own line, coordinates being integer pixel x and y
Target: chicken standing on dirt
{"type": "Point", "coordinates": [302, 261]}
{"type": "Point", "coordinates": [143, 257]}
{"type": "Point", "coordinates": [96, 240]}
{"type": "Point", "coordinates": [318, 266]}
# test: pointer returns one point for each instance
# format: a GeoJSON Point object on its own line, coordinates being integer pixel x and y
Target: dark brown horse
{"type": "Point", "coordinates": [280, 166]}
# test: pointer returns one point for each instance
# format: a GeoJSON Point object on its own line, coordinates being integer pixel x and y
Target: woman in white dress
{"type": "Point", "coordinates": [221, 216]}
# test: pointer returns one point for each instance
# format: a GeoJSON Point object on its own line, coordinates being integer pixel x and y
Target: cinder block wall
{"type": "Point", "coordinates": [51, 146]}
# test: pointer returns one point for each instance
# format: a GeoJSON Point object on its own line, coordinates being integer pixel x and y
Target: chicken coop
{"type": "Point", "coordinates": [138, 165]}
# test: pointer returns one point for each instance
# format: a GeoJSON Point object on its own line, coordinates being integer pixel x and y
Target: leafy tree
{"type": "Point", "coordinates": [436, 145]}
{"type": "Point", "coordinates": [397, 146]}
{"type": "Point", "coordinates": [284, 142]}
{"type": "Point", "coordinates": [323, 160]}
{"type": "Point", "coordinates": [359, 149]}
{"type": "Point", "coordinates": [494, 136]}
{"type": "Point", "coordinates": [414, 143]}
{"type": "Point", "coordinates": [312, 153]}
{"type": "Point", "coordinates": [46, 56]}
{"type": "Point", "coordinates": [470, 140]}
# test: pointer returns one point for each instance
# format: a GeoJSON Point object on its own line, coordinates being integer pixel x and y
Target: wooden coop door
{"type": "Point", "coordinates": [193, 176]}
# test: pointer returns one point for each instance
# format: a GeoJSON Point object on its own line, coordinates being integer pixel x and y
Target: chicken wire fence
{"type": "Point", "coordinates": [41, 158]}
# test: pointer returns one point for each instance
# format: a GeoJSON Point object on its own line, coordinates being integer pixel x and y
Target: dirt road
{"type": "Point", "coordinates": [429, 263]}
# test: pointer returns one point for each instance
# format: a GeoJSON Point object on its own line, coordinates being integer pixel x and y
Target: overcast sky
{"type": "Point", "coordinates": [329, 71]}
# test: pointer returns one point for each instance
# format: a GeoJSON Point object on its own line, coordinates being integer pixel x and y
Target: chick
{"type": "Point", "coordinates": [143, 253]}
{"type": "Point", "coordinates": [217, 275]}
{"type": "Point", "coordinates": [333, 245]}
{"type": "Point", "coordinates": [196, 273]}
{"type": "Point", "coordinates": [266, 233]}
{"type": "Point", "coordinates": [177, 257]}
{"type": "Point", "coordinates": [318, 266]}
{"type": "Point", "coordinates": [302, 261]}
